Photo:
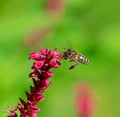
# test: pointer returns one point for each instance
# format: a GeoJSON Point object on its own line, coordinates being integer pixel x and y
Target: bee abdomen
{"type": "Point", "coordinates": [83, 59]}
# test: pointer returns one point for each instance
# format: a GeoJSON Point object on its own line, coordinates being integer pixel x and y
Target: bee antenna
{"type": "Point", "coordinates": [62, 46]}
{"type": "Point", "coordinates": [69, 44]}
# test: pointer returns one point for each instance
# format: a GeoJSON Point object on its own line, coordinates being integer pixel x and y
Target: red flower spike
{"type": "Point", "coordinates": [85, 101]}
{"type": "Point", "coordinates": [55, 6]}
{"type": "Point", "coordinates": [43, 63]}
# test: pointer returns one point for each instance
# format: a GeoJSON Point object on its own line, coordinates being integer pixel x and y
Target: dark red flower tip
{"type": "Point", "coordinates": [54, 64]}
{"type": "Point", "coordinates": [28, 95]}
{"type": "Point", "coordinates": [46, 74]}
{"type": "Point", "coordinates": [56, 54]}
{"type": "Point", "coordinates": [38, 64]}
{"type": "Point", "coordinates": [13, 114]}
{"type": "Point", "coordinates": [35, 109]}
{"type": "Point", "coordinates": [34, 56]}
{"type": "Point", "coordinates": [22, 101]}
{"type": "Point", "coordinates": [44, 51]}
{"type": "Point", "coordinates": [34, 74]}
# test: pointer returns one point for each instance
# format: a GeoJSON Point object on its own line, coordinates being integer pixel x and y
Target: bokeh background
{"type": "Point", "coordinates": [89, 26]}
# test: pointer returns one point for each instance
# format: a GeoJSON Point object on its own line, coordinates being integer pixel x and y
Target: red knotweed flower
{"type": "Point", "coordinates": [55, 6]}
{"type": "Point", "coordinates": [40, 75]}
{"type": "Point", "coordinates": [85, 100]}
{"type": "Point", "coordinates": [36, 36]}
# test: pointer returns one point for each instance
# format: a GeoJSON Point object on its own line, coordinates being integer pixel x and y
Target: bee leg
{"type": "Point", "coordinates": [73, 66]}
{"type": "Point", "coordinates": [71, 60]}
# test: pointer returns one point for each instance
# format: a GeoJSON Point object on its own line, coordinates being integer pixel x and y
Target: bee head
{"type": "Point", "coordinates": [67, 54]}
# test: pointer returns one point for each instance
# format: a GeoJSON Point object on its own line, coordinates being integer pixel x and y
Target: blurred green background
{"type": "Point", "coordinates": [92, 27]}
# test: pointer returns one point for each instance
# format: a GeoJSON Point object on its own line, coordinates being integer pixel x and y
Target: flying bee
{"type": "Point", "coordinates": [75, 57]}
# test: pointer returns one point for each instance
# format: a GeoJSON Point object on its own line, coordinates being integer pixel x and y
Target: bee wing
{"type": "Point", "coordinates": [69, 43]}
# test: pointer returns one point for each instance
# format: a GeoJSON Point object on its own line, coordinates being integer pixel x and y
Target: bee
{"type": "Point", "coordinates": [74, 56]}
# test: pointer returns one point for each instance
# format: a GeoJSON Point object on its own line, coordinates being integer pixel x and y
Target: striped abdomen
{"type": "Point", "coordinates": [82, 59]}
